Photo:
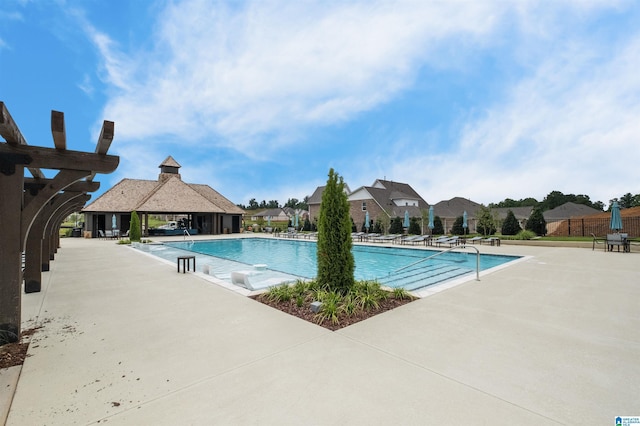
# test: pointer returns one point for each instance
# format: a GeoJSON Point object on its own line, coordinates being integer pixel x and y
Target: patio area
{"type": "Point", "coordinates": [125, 339]}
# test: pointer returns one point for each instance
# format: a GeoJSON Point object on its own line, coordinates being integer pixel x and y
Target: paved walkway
{"type": "Point", "coordinates": [126, 340]}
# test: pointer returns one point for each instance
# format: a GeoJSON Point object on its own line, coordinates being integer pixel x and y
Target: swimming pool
{"type": "Point", "coordinates": [298, 258]}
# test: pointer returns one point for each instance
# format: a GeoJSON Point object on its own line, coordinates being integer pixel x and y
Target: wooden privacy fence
{"type": "Point", "coordinates": [585, 226]}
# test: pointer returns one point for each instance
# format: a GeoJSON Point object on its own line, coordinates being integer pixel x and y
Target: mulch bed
{"type": "Point", "coordinates": [12, 354]}
{"type": "Point", "coordinates": [344, 320]}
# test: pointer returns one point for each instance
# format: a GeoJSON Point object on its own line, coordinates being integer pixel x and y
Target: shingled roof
{"type": "Point", "coordinates": [456, 207]}
{"type": "Point", "coordinates": [169, 194]}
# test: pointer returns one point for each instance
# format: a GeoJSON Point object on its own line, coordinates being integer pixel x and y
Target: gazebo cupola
{"type": "Point", "coordinates": [168, 169]}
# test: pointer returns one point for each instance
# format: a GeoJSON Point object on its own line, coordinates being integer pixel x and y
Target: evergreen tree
{"type": "Point", "coordinates": [396, 226]}
{"type": "Point", "coordinates": [438, 229]}
{"type": "Point", "coordinates": [134, 227]}
{"type": "Point", "coordinates": [307, 225]}
{"type": "Point", "coordinates": [536, 222]}
{"type": "Point", "coordinates": [335, 260]}
{"type": "Point", "coordinates": [457, 228]}
{"type": "Point", "coordinates": [377, 227]}
{"type": "Point", "coordinates": [414, 227]}
{"type": "Point", "coordinates": [510, 226]}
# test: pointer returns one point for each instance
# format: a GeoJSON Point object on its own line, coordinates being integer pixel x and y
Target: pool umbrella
{"type": "Point", "coordinates": [464, 221]}
{"type": "Point", "coordinates": [113, 221]}
{"type": "Point", "coordinates": [296, 225]}
{"type": "Point", "coordinates": [431, 225]}
{"type": "Point", "coordinates": [616, 220]}
{"type": "Point", "coordinates": [406, 219]}
{"type": "Point", "coordinates": [366, 221]}
{"type": "Point", "coordinates": [268, 220]}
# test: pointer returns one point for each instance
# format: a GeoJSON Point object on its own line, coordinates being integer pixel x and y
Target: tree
{"type": "Point", "coordinates": [486, 221]}
{"type": "Point", "coordinates": [253, 204]}
{"type": "Point", "coordinates": [134, 227]}
{"type": "Point", "coordinates": [536, 222]}
{"type": "Point", "coordinates": [396, 226]}
{"type": "Point", "coordinates": [414, 227]}
{"type": "Point", "coordinates": [438, 229]}
{"type": "Point", "coordinates": [510, 226]}
{"type": "Point", "coordinates": [457, 228]}
{"type": "Point", "coordinates": [335, 260]}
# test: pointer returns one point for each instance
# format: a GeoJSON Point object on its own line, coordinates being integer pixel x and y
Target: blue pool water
{"type": "Point", "coordinates": [299, 258]}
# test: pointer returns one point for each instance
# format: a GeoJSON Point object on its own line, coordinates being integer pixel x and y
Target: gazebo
{"type": "Point", "coordinates": [204, 210]}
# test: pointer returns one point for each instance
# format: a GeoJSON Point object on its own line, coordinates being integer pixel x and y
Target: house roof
{"type": "Point", "coordinates": [569, 210]}
{"type": "Point", "coordinates": [166, 195]}
{"type": "Point", "coordinates": [456, 207]}
{"type": "Point", "coordinates": [269, 212]}
{"type": "Point", "coordinates": [384, 193]}
{"type": "Point", "coordinates": [519, 212]}
{"type": "Point", "coordinates": [629, 212]}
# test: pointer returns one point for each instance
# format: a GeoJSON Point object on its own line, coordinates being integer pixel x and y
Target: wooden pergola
{"type": "Point", "coordinates": [32, 209]}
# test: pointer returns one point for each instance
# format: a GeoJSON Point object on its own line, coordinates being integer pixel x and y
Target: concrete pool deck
{"type": "Point", "coordinates": [554, 339]}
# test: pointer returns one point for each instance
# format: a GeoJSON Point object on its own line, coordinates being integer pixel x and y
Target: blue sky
{"type": "Point", "coordinates": [484, 100]}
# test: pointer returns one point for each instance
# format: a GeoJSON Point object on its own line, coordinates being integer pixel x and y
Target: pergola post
{"type": "Point", "coordinates": [10, 252]}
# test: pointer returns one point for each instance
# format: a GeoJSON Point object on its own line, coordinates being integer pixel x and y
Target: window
{"type": "Point", "coordinates": [364, 206]}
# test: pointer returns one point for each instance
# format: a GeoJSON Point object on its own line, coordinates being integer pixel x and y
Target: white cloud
{"type": "Point", "coordinates": [572, 126]}
{"type": "Point", "coordinates": [275, 67]}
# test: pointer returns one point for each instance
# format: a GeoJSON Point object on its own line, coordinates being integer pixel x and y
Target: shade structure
{"type": "Point", "coordinates": [616, 220]}
{"type": "Point", "coordinates": [431, 225]}
{"type": "Point", "coordinates": [366, 221]}
{"type": "Point", "coordinates": [406, 219]}
{"type": "Point", "coordinates": [113, 221]}
{"type": "Point", "coordinates": [464, 220]}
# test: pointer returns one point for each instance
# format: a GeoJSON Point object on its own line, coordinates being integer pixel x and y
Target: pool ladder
{"type": "Point", "coordinates": [187, 234]}
{"type": "Point", "coordinates": [441, 253]}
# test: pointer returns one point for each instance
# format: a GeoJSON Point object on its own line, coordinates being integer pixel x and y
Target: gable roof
{"type": "Point", "coordinates": [456, 207]}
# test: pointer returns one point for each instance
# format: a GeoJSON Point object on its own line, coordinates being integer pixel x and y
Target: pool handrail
{"type": "Point", "coordinates": [443, 252]}
{"type": "Point", "coordinates": [187, 234]}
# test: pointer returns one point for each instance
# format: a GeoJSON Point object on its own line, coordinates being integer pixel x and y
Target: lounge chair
{"type": "Point", "coordinates": [453, 241]}
{"type": "Point", "coordinates": [101, 234]}
{"type": "Point", "coordinates": [494, 241]}
{"type": "Point", "coordinates": [473, 240]}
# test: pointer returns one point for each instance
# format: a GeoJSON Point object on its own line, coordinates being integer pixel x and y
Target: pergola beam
{"type": "Point", "coordinates": [50, 158]}
{"type": "Point", "coordinates": [11, 133]}
{"type": "Point", "coordinates": [58, 130]}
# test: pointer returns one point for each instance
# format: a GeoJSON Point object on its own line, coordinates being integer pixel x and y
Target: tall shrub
{"type": "Point", "coordinates": [396, 226]}
{"type": "Point", "coordinates": [457, 228]}
{"type": "Point", "coordinates": [414, 227]}
{"type": "Point", "coordinates": [536, 222]}
{"type": "Point", "coordinates": [486, 221]}
{"type": "Point", "coordinates": [438, 229]}
{"type": "Point", "coordinates": [335, 260]}
{"type": "Point", "coordinates": [134, 227]}
{"type": "Point", "coordinates": [510, 226]}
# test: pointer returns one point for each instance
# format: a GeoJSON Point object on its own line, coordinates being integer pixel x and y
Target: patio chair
{"type": "Point", "coordinates": [474, 239]}
{"type": "Point", "coordinates": [101, 234]}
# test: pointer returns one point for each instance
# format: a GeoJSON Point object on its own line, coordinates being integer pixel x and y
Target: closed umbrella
{"type": "Point", "coordinates": [464, 222]}
{"type": "Point", "coordinates": [406, 219]}
{"type": "Point", "coordinates": [296, 225]}
{"type": "Point", "coordinates": [113, 221]}
{"type": "Point", "coordinates": [366, 221]}
{"type": "Point", "coordinates": [431, 216]}
{"type": "Point", "coordinates": [616, 220]}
